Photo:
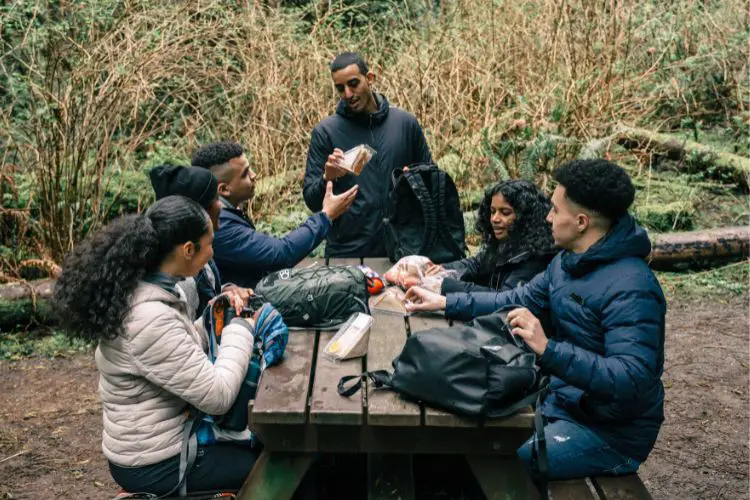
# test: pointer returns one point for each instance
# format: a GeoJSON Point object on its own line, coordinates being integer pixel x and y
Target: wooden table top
{"type": "Point", "coordinates": [297, 406]}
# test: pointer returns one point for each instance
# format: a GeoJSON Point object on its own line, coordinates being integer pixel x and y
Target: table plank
{"type": "Point", "coordinates": [343, 261]}
{"type": "Point", "coordinates": [378, 264]}
{"type": "Point", "coordinates": [327, 406]}
{"type": "Point", "coordinates": [283, 389]}
{"type": "Point", "coordinates": [385, 407]}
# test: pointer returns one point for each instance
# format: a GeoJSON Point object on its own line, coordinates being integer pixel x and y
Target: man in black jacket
{"type": "Point", "coordinates": [362, 117]}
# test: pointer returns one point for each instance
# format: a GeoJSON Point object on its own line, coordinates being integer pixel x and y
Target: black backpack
{"type": "Point", "coordinates": [478, 370]}
{"type": "Point", "coordinates": [321, 297]}
{"type": "Point", "coordinates": [424, 216]}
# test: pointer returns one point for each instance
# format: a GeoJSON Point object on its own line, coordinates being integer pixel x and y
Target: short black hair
{"type": "Point", "coordinates": [345, 59]}
{"type": "Point", "coordinates": [599, 185]}
{"type": "Point", "coordinates": [216, 153]}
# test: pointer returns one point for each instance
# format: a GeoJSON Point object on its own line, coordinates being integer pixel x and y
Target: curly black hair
{"type": "Point", "coordinates": [599, 185]}
{"type": "Point", "coordinates": [92, 295]}
{"type": "Point", "coordinates": [216, 153]}
{"type": "Point", "coordinates": [530, 231]}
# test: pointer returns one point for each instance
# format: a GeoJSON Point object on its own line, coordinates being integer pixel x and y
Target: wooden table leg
{"type": "Point", "coordinates": [502, 478]}
{"type": "Point", "coordinates": [390, 476]}
{"type": "Point", "coordinates": [275, 476]}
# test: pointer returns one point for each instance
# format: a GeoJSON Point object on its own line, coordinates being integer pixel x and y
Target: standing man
{"type": "Point", "coordinates": [606, 401]}
{"type": "Point", "coordinates": [242, 254]}
{"type": "Point", "coordinates": [362, 117]}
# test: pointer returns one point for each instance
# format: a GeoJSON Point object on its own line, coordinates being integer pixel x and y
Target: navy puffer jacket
{"type": "Point", "coordinates": [607, 359]}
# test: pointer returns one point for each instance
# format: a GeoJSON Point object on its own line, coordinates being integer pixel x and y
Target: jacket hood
{"type": "Point", "coordinates": [625, 239]}
{"type": "Point", "coordinates": [148, 292]}
{"type": "Point", "coordinates": [377, 117]}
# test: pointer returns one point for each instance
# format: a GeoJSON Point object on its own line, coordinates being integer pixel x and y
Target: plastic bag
{"type": "Point", "coordinates": [351, 339]}
{"type": "Point", "coordinates": [356, 158]}
{"type": "Point", "coordinates": [408, 271]}
{"type": "Point", "coordinates": [434, 282]}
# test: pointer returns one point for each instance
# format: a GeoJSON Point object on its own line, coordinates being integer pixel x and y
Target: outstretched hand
{"type": "Point", "coordinates": [336, 204]}
{"type": "Point", "coordinates": [420, 299]}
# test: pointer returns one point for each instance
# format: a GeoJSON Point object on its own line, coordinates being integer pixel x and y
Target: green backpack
{"type": "Point", "coordinates": [321, 297]}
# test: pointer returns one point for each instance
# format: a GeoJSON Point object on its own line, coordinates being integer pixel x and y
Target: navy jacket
{"type": "Point", "coordinates": [607, 360]}
{"type": "Point", "coordinates": [244, 256]}
{"type": "Point", "coordinates": [399, 142]}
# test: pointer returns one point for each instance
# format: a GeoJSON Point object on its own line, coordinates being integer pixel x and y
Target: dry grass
{"type": "Point", "coordinates": [475, 73]}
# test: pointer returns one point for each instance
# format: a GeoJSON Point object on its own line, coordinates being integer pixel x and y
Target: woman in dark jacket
{"type": "Point", "coordinates": [517, 241]}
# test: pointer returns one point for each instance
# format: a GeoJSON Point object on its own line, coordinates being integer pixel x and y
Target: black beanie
{"type": "Point", "coordinates": [198, 184]}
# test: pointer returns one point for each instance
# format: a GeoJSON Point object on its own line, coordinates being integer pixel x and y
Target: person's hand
{"type": "Point", "coordinates": [433, 269]}
{"type": "Point", "coordinates": [336, 204]}
{"type": "Point", "coordinates": [237, 298]}
{"type": "Point", "coordinates": [527, 326]}
{"type": "Point", "coordinates": [334, 166]}
{"type": "Point", "coordinates": [420, 299]}
{"type": "Point", "coordinates": [243, 293]}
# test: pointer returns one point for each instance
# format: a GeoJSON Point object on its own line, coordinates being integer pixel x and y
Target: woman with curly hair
{"type": "Point", "coordinates": [118, 287]}
{"type": "Point", "coordinates": [517, 242]}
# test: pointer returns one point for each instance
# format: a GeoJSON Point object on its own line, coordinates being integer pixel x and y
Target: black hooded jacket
{"type": "Point", "coordinates": [398, 140]}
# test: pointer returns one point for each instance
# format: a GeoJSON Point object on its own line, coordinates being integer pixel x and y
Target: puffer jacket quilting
{"type": "Point", "coordinates": [150, 375]}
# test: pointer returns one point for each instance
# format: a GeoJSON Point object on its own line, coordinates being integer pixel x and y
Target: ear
{"type": "Point", "coordinates": [224, 189]}
{"type": "Point", "coordinates": [583, 222]}
{"type": "Point", "coordinates": [188, 250]}
{"type": "Point", "coordinates": [370, 77]}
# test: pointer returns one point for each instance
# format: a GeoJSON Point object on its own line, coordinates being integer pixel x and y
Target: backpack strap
{"type": "Point", "coordinates": [379, 378]}
{"type": "Point", "coordinates": [428, 210]}
{"type": "Point", "coordinates": [442, 228]}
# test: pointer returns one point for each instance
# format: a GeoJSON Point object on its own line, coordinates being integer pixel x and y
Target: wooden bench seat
{"type": "Point", "coordinates": [628, 487]}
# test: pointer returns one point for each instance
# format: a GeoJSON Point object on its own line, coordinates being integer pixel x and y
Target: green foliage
{"type": "Point", "coordinates": [663, 218]}
{"type": "Point", "coordinates": [15, 346]}
{"type": "Point", "coordinates": [730, 280]}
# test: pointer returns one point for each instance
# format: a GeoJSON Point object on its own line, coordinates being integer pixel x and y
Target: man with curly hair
{"type": "Point", "coordinates": [242, 254]}
{"type": "Point", "coordinates": [606, 401]}
{"type": "Point", "coordinates": [362, 116]}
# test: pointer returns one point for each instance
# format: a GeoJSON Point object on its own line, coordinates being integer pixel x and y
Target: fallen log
{"type": "Point", "coordinates": [701, 248]}
{"type": "Point", "coordinates": [20, 307]}
{"type": "Point", "coordinates": [679, 150]}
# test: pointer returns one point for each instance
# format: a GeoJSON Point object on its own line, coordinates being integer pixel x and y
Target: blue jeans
{"type": "Point", "coordinates": [575, 451]}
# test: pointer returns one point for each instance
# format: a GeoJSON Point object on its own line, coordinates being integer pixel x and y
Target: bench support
{"type": "Point", "coordinates": [390, 476]}
{"type": "Point", "coordinates": [502, 478]}
{"type": "Point", "coordinates": [275, 476]}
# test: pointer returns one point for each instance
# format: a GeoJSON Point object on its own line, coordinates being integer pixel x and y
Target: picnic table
{"type": "Point", "coordinates": [298, 413]}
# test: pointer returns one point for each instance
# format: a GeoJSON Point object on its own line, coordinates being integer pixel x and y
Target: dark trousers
{"type": "Point", "coordinates": [222, 466]}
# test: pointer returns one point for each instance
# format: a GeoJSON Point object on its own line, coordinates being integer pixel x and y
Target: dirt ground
{"type": "Point", "coordinates": [50, 421]}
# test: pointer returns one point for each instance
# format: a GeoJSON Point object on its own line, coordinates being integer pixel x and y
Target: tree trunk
{"type": "Point", "coordinates": [679, 149]}
{"type": "Point", "coordinates": [699, 247]}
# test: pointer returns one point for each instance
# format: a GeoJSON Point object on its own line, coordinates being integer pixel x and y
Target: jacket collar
{"type": "Point", "coordinates": [375, 118]}
{"type": "Point", "coordinates": [625, 239]}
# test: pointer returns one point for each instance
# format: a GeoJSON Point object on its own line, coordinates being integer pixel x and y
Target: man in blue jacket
{"type": "Point", "coordinates": [362, 117]}
{"type": "Point", "coordinates": [606, 403]}
{"type": "Point", "coordinates": [242, 254]}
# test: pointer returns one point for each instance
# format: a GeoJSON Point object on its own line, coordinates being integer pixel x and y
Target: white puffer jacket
{"type": "Point", "coordinates": [149, 375]}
